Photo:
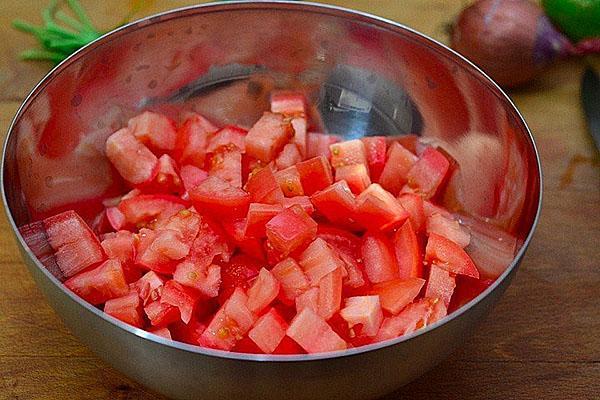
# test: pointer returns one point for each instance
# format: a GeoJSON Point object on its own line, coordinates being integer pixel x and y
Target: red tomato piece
{"type": "Point", "coordinates": [357, 177]}
{"type": "Point", "coordinates": [378, 257]}
{"type": "Point", "coordinates": [466, 290]}
{"type": "Point", "coordinates": [347, 247]}
{"type": "Point", "coordinates": [448, 228]}
{"type": "Point", "coordinates": [268, 136]}
{"type": "Point", "coordinates": [429, 209]}
{"type": "Point", "coordinates": [330, 294]}
{"type": "Point", "coordinates": [226, 165]}
{"type": "Point", "coordinates": [262, 292]}
{"type": "Point", "coordinates": [179, 296]}
{"type": "Point", "coordinates": [289, 181]}
{"type": "Point", "coordinates": [121, 245]}
{"type": "Point", "coordinates": [413, 317]}
{"type": "Point", "coordinates": [263, 187]}
{"type": "Point", "coordinates": [147, 208]}
{"type": "Point", "coordinates": [188, 333]}
{"type": "Point", "coordinates": [449, 256]}
{"type": "Point", "coordinates": [96, 286]}
{"type": "Point", "coordinates": [214, 195]}
{"type": "Point", "coordinates": [192, 176]}
{"type": "Point", "coordinates": [134, 161]}
{"type": "Point", "coordinates": [349, 152]}
{"type": "Point", "coordinates": [290, 230]}
{"type": "Point", "coordinates": [158, 250]}
{"type": "Point", "coordinates": [413, 204]}
{"type": "Point", "coordinates": [268, 331]}
{"type": "Point", "coordinates": [154, 130]}
{"type": "Point", "coordinates": [364, 310]}
{"type": "Point", "coordinates": [126, 308]}
{"type": "Point", "coordinates": [395, 172]}
{"type": "Point", "coordinates": [302, 201]}
{"type": "Point", "coordinates": [310, 299]}
{"type": "Point", "coordinates": [290, 155]}
{"type": "Point", "coordinates": [336, 203]}
{"type": "Point", "coordinates": [408, 253]}
{"type": "Point", "coordinates": [36, 237]}
{"type": "Point", "coordinates": [209, 244]}
{"type": "Point", "coordinates": [186, 222]}
{"type": "Point", "coordinates": [258, 216]}
{"type": "Point", "coordinates": [317, 144]}
{"type": "Point", "coordinates": [292, 279]}
{"type": "Point", "coordinates": [115, 218]}
{"type": "Point", "coordinates": [398, 293]}
{"type": "Point", "coordinates": [229, 138]}
{"type": "Point", "coordinates": [300, 127]}
{"type": "Point", "coordinates": [438, 311]}
{"type": "Point", "coordinates": [238, 273]}
{"type": "Point", "coordinates": [318, 260]}
{"type": "Point", "coordinates": [204, 279]}
{"type": "Point", "coordinates": [440, 284]}
{"type": "Point", "coordinates": [167, 178]}
{"type": "Point", "coordinates": [192, 140]}
{"type": "Point", "coordinates": [315, 174]}
{"type": "Point", "coordinates": [236, 233]}
{"type": "Point", "coordinates": [288, 346]}
{"type": "Point", "coordinates": [288, 103]}
{"type": "Point", "coordinates": [75, 246]}
{"type": "Point", "coordinates": [149, 287]}
{"type": "Point", "coordinates": [378, 210]}
{"type": "Point", "coordinates": [162, 332]}
{"type": "Point", "coordinates": [314, 334]}
{"type": "Point", "coordinates": [161, 314]}
{"type": "Point", "coordinates": [428, 173]}
{"type": "Point", "coordinates": [375, 148]}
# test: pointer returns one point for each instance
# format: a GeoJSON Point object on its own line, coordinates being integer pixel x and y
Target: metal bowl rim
{"type": "Point", "coordinates": [332, 10]}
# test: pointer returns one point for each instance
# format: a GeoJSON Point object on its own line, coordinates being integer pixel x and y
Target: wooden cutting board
{"type": "Point", "coordinates": [541, 342]}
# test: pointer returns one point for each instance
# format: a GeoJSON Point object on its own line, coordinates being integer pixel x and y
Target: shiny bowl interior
{"type": "Point", "coordinates": [363, 74]}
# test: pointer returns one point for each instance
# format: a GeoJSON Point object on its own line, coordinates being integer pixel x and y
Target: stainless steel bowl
{"type": "Point", "coordinates": [366, 74]}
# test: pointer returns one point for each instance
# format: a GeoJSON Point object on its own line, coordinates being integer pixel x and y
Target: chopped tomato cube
{"type": "Point", "coordinates": [288, 103]}
{"type": "Point", "coordinates": [398, 293]}
{"type": "Point", "coordinates": [100, 284]}
{"type": "Point", "coordinates": [134, 161]}
{"type": "Point", "coordinates": [121, 245]}
{"type": "Point", "coordinates": [317, 144]}
{"type": "Point", "coordinates": [289, 156]}
{"type": "Point", "coordinates": [238, 273]}
{"type": "Point", "coordinates": [315, 174]}
{"type": "Point", "coordinates": [230, 138]}
{"type": "Point", "coordinates": [448, 228]}
{"type": "Point", "coordinates": [408, 253]}
{"type": "Point", "coordinates": [236, 233]}
{"type": "Point", "coordinates": [413, 204]}
{"type": "Point", "coordinates": [413, 317]}
{"type": "Point", "coordinates": [146, 208]}
{"type": "Point", "coordinates": [300, 127]}
{"type": "Point", "coordinates": [192, 140]}
{"type": "Point", "coordinates": [226, 165]}
{"type": "Point", "coordinates": [330, 294]}
{"type": "Point", "coordinates": [155, 130]}
{"type": "Point", "coordinates": [355, 175]}
{"type": "Point", "coordinates": [149, 287]}
{"type": "Point", "coordinates": [336, 203]}
{"type": "Point", "coordinates": [449, 256]}
{"type": "Point", "coordinates": [349, 152]}
{"type": "Point", "coordinates": [157, 250]}
{"type": "Point", "coordinates": [167, 178]}
{"type": "Point", "coordinates": [268, 136]}
{"type": "Point", "coordinates": [116, 218]}
{"type": "Point", "coordinates": [214, 195]}
{"type": "Point", "coordinates": [292, 279]}
{"type": "Point", "coordinates": [378, 256]}
{"type": "Point", "coordinates": [438, 311]}
{"type": "Point", "coordinates": [290, 230]}
{"type": "Point", "coordinates": [179, 296]}
{"type": "Point", "coordinates": [289, 181]}
{"type": "Point", "coordinates": [310, 299]}
{"type": "Point", "coordinates": [192, 176]}
{"type": "Point", "coordinates": [466, 290]}
{"type": "Point", "coordinates": [76, 247]}
{"type": "Point", "coordinates": [440, 284]}
{"type": "Point", "coordinates": [204, 279]}
{"type": "Point", "coordinates": [161, 314]}
{"type": "Point", "coordinates": [318, 260]}
{"type": "Point", "coordinates": [302, 201]}
{"type": "Point", "coordinates": [395, 172]}
{"type": "Point", "coordinates": [347, 247]}
{"type": "Point", "coordinates": [188, 333]}
{"type": "Point", "coordinates": [127, 308]}
{"type": "Point", "coordinates": [263, 291]}
{"type": "Point", "coordinates": [428, 173]}
{"type": "Point", "coordinates": [162, 332]}
{"type": "Point", "coordinates": [314, 334]}
{"type": "Point", "coordinates": [377, 209]}
{"type": "Point", "coordinates": [364, 310]}
{"type": "Point", "coordinates": [263, 187]}
{"type": "Point", "coordinates": [375, 148]}
{"type": "Point", "coordinates": [268, 331]}
{"type": "Point", "coordinates": [258, 216]}
{"type": "Point", "coordinates": [186, 223]}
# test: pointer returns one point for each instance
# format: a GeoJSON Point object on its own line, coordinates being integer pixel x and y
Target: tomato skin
{"type": "Point", "coordinates": [217, 196]}
{"type": "Point", "coordinates": [347, 246]}
{"type": "Point", "coordinates": [336, 203]}
{"type": "Point", "coordinates": [440, 284]}
{"type": "Point", "coordinates": [378, 210]}
{"type": "Point", "coordinates": [449, 256]}
{"type": "Point", "coordinates": [263, 187]}
{"type": "Point", "coordinates": [236, 233]}
{"type": "Point", "coordinates": [379, 259]}
{"type": "Point", "coordinates": [290, 230]}
{"type": "Point", "coordinates": [428, 173]}
{"type": "Point", "coordinates": [127, 308]}
{"type": "Point", "coordinates": [96, 286]}
{"type": "Point", "coordinates": [448, 228]}
{"type": "Point", "coordinates": [375, 148]}
{"type": "Point", "coordinates": [466, 290]}
{"type": "Point", "coordinates": [408, 252]}
{"type": "Point", "coordinates": [258, 216]}
{"type": "Point", "coordinates": [357, 177]}
{"type": "Point", "coordinates": [315, 174]}
{"type": "Point", "coordinates": [395, 172]}
{"type": "Point", "coordinates": [413, 204]}
{"type": "Point", "coordinates": [192, 140]}
{"type": "Point", "coordinates": [398, 293]}
{"type": "Point", "coordinates": [189, 333]}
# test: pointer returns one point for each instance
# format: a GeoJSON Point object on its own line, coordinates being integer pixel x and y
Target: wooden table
{"type": "Point", "coordinates": [542, 341]}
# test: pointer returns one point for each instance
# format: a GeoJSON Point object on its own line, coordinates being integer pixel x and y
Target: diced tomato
{"type": "Point", "coordinates": [100, 284]}
{"type": "Point", "coordinates": [330, 293]}
{"type": "Point", "coordinates": [314, 334]}
{"type": "Point", "coordinates": [300, 127]}
{"type": "Point", "coordinates": [355, 175]}
{"type": "Point", "coordinates": [318, 260]}
{"type": "Point", "coordinates": [289, 156]}
{"type": "Point", "coordinates": [428, 173]}
{"type": "Point", "coordinates": [413, 204]}
{"type": "Point", "coordinates": [413, 317]}
{"type": "Point", "coordinates": [161, 314]}
{"type": "Point", "coordinates": [226, 165]}
{"type": "Point", "coordinates": [268, 331]}
{"type": "Point", "coordinates": [75, 246]}
{"type": "Point", "coordinates": [214, 195]}
{"type": "Point", "coordinates": [364, 310]}
{"type": "Point", "coordinates": [167, 178]}
{"type": "Point", "coordinates": [186, 222]}
{"type": "Point", "coordinates": [36, 237]}
{"type": "Point", "coordinates": [209, 244]}
{"type": "Point", "coordinates": [395, 172]}
{"type": "Point", "coordinates": [263, 187]}
{"type": "Point", "coordinates": [448, 228]}
{"type": "Point", "coordinates": [290, 230]}
{"type": "Point", "coordinates": [398, 293]}
{"type": "Point", "coordinates": [288, 103]}
{"type": "Point", "coordinates": [155, 130]}
{"type": "Point", "coordinates": [115, 218]}
{"type": "Point", "coordinates": [349, 152]}
{"type": "Point", "coordinates": [302, 201]}
{"type": "Point", "coordinates": [288, 346]}
{"type": "Point", "coordinates": [180, 296]}
{"type": "Point", "coordinates": [438, 311]}
{"type": "Point", "coordinates": [440, 284]}
{"type": "Point", "coordinates": [408, 253]}
{"type": "Point", "coordinates": [449, 256]}
{"type": "Point", "coordinates": [162, 332]}
{"type": "Point", "coordinates": [409, 142]}
{"type": "Point", "coordinates": [429, 209]}
{"type": "Point", "coordinates": [192, 176]}
{"type": "Point", "coordinates": [315, 174]}
{"type": "Point", "coordinates": [149, 287]}
{"type": "Point", "coordinates": [377, 209]}
{"type": "Point", "coordinates": [317, 144]}
{"type": "Point", "coordinates": [263, 291]}
{"type": "Point", "coordinates": [347, 247]}
{"type": "Point", "coordinates": [121, 245]}
{"type": "Point", "coordinates": [192, 140]}
{"type": "Point", "coordinates": [375, 148]}
{"type": "Point", "coordinates": [466, 290]}
{"type": "Point", "coordinates": [238, 273]}
{"type": "Point", "coordinates": [158, 250]}
{"type": "Point", "coordinates": [230, 138]}
{"type": "Point", "coordinates": [336, 203]}
{"type": "Point", "coordinates": [292, 279]}
{"type": "Point", "coordinates": [236, 233]}
{"type": "Point", "coordinates": [204, 279]}
{"type": "Point", "coordinates": [147, 208]}
{"type": "Point", "coordinates": [310, 299]}
{"type": "Point", "coordinates": [134, 161]}
{"type": "Point", "coordinates": [289, 181]}
{"type": "Point", "coordinates": [188, 333]}
{"type": "Point", "coordinates": [378, 257]}
{"type": "Point", "coordinates": [127, 308]}
{"type": "Point", "coordinates": [268, 136]}
{"type": "Point", "coordinates": [258, 216]}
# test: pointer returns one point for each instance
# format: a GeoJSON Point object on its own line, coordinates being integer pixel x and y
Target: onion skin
{"type": "Point", "coordinates": [511, 40]}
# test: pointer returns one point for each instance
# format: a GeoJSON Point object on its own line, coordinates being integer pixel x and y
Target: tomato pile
{"type": "Point", "coordinates": [272, 240]}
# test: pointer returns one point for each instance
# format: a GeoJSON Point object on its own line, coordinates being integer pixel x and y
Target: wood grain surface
{"type": "Point", "coordinates": [541, 342]}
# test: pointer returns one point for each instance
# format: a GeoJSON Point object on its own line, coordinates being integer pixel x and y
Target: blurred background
{"type": "Point", "coordinates": [541, 341]}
